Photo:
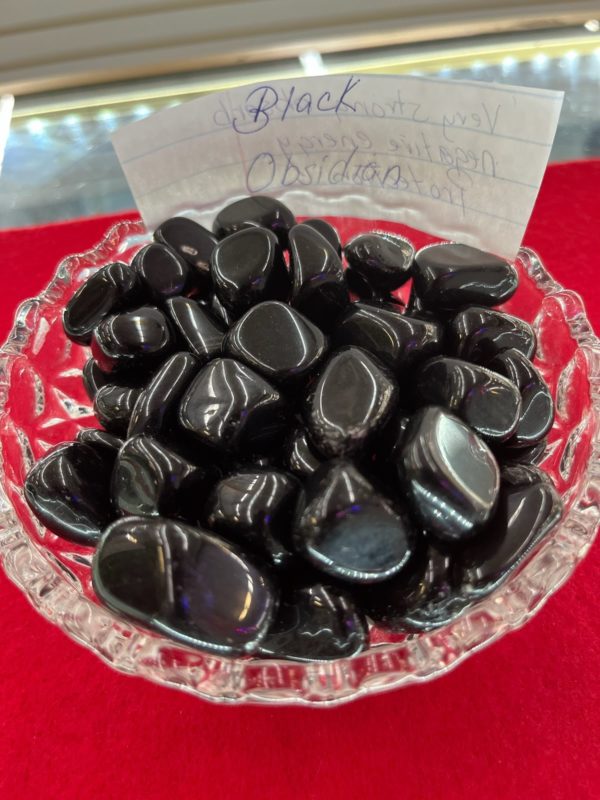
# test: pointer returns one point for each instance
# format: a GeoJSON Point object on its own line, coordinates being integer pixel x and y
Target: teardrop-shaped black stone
{"type": "Point", "coordinates": [485, 400]}
{"type": "Point", "coordinates": [156, 408]}
{"type": "Point", "coordinates": [69, 491]}
{"type": "Point", "coordinates": [450, 276]}
{"type": "Point", "coordinates": [319, 289]}
{"type": "Point", "coordinates": [247, 268]}
{"type": "Point", "coordinates": [354, 397]}
{"type": "Point", "coordinates": [99, 438]}
{"type": "Point", "coordinates": [185, 583]}
{"type": "Point", "coordinates": [277, 341]}
{"type": "Point", "coordinates": [199, 331]}
{"type": "Point", "coordinates": [537, 412]}
{"type": "Point", "coordinates": [327, 231]}
{"type": "Point", "coordinates": [449, 475]}
{"type": "Point", "coordinates": [191, 241]}
{"type": "Point", "coordinates": [113, 406]}
{"type": "Point", "coordinates": [162, 272]}
{"type": "Point", "coordinates": [233, 409]}
{"type": "Point", "coordinates": [401, 342]}
{"type": "Point", "coordinates": [113, 287]}
{"type": "Point", "coordinates": [257, 210]}
{"type": "Point", "coordinates": [478, 334]}
{"type": "Point", "coordinates": [346, 529]}
{"type": "Point", "coordinates": [256, 509]}
{"type": "Point", "coordinates": [382, 260]}
{"type": "Point", "coordinates": [315, 623]}
{"type": "Point", "coordinates": [299, 456]}
{"type": "Point", "coordinates": [132, 340]}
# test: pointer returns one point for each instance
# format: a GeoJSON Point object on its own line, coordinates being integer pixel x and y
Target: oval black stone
{"type": "Point", "coordinates": [162, 272]}
{"type": "Point", "coordinates": [185, 583]}
{"type": "Point", "coordinates": [200, 332]}
{"type": "Point", "coordinates": [277, 341]}
{"type": "Point", "coordinates": [113, 287]}
{"type": "Point", "coordinates": [450, 276]}
{"type": "Point", "coordinates": [382, 260]}
{"type": "Point", "coordinates": [257, 210]}
{"type": "Point", "coordinates": [299, 456]}
{"type": "Point", "coordinates": [113, 406]}
{"type": "Point", "coordinates": [68, 490]}
{"type": "Point", "coordinates": [346, 529]}
{"type": "Point", "coordinates": [191, 241]}
{"type": "Point", "coordinates": [449, 474]}
{"type": "Point", "coordinates": [485, 400]}
{"type": "Point", "coordinates": [327, 231]}
{"type": "Point", "coordinates": [133, 339]}
{"type": "Point", "coordinates": [247, 268]}
{"type": "Point", "coordinates": [99, 438]}
{"type": "Point", "coordinates": [478, 334]}
{"type": "Point", "coordinates": [354, 396]}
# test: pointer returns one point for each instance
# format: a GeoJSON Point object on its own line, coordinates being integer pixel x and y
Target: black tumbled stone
{"type": "Point", "coordinates": [198, 330]}
{"type": "Point", "coordinates": [382, 260]}
{"type": "Point", "coordinates": [191, 241]}
{"type": "Point", "coordinates": [132, 340]}
{"type": "Point", "coordinates": [478, 334]}
{"type": "Point", "coordinates": [257, 210]}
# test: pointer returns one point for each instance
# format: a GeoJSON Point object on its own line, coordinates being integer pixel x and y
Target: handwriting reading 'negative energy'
{"type": "Point", "coordinates": [457, 158]}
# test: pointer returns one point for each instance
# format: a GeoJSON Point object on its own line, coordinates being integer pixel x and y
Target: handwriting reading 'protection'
{"type": "Point", "coordinates": [460, 159]}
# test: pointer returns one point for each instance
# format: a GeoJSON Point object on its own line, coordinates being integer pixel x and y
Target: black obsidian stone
{"type": "Point", "coordinates": [485, 400]}
{"type": "Point", "coordinates": [528, 508]}
{"type": "Point", "coordinates": [113, 287]}
{"type": "Point", "coordinates": [231, 408]}
{"type": "Point", "coordinates": [113, 406]}
{"type": "Point", "coordinates": [299, 456]}
{"type": "Point", "coordinates": [185, 583]}
{"type": "Point", "coordinates": [478, 334]}
{"type": "Point", "coordinates": [157, 405]}
{"type": "Point", "coordinates": [132, 340]}
{"type": "Point", "coordinates": [255, 508]}
{"type": "Point", "coordinates": [257, 210]}
{"type": "Point", "coordinates": [151, 479]}
{"type": "Point", "coordinates": [327, 231]}
{"type": "Point", "coordinates": [247, 268]}
{"type": "Point", "coordinates": [277, 341]}
{"type": "Point", "coordinates": [315, 623]}
{"type": "Point", "coordinates": [99, 438]}
{"type": "Point", "coordinates": [93, 378]}
{"type": "Point", "coordinates": [69, 491]}
{"type": "Point", "coordinates": [450, 276]}
{"type": "Point", "coordinates": [219, 311]}
{"type": "Point", "coordinates": [449, 475]}
{"type": "Point", "coordinates": [198, 330]}
{"type": "Point", "coordinates": [537, 412]}
{"type": "Point", "coordinates": [522, 455]}
{"type": "Point", "coordinates": [190, 241]}
{"type": "Point", "coordinates": [354, 396]}
{"type": "Point", "coordinates": [346, 529]}
{"type": "Point", "coordinates": [383, 261]}
{"type": "Point", "coordinates": [319, 289]}
{"type": "Point", "coordinates": [162, 272]}
{"type": "Point", "coordinates": [401, 342]}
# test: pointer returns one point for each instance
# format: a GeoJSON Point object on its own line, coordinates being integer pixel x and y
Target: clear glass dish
{"type": "Point", "coordinates": [42, 403]}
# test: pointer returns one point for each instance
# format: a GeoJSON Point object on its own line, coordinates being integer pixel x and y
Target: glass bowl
{"type": "Point", "coordinates": [42, 403]}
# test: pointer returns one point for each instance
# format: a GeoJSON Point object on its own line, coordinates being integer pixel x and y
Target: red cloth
{"type": "Point", "coordinates": [520, 720]}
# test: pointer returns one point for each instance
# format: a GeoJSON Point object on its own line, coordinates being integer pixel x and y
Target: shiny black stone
{"type": "Point", "coordinates": [382, 260]}
{"type": "Point", "coordinates": [401, 342]}
{"type": "Point", "coordinates": [113, 406]}
{"type": "Point", "coordinates": [299, 456]}
{"type": "Point", "coordinates": [219, 311]}
{"type": "Point", "coordinates": [319, 289]}
{"type": "Point", "coordinates": [93, 378]}
{"type": "Point", "coordinates": [449, 276]}
{"type": "Point", "coordinates": [69, 491]}
{"type": "Point", "coordinates": [157, 405]}
{"type": "Point", "coordinates": [255, 508]}
{"type": "Point", "coordinates": [191, 241]}
{"type": "Point", "coordinates": [478, 334]}
{"type": "Point", "coordinates": [485, 400]}
{"type": "Point", "coordinates": [132, 340]}
{"type": "Point", "coordinates": [151, 479]}
{"type": "Point", "coordinates": [257, 210]}
{"type": "Point", "coordinates": [199, 331]}
{"type": "Point", "coordinates": [185, 583]}
{"type": "Point", "coordinates": [99, 438]}
{"type": "Point", "coordinates": [247, 268]}
{"type": "Point", "coordinates": [537, 412]}
{"type": "Point", "coordinates": [523, 455]}
{"type": "Point", "coordinates": [277, 341]}
{"type": "Point", "coordinates": [231, 408]}
{"type": "Point", "coordinates": [354, 396]}
{"type": "Point", "coordinates": [327, 231]}
{"type": "Point", "coordinates": [315, 623]}
{"type": "Point", "coordinates": [346, 529]}
{"type": "Point", "coordinates": [528, 508]}
{"type": "Point", "coordinates": [449, 475]}
{"type": "Point", "coordinates": [162, 272]}
{"type": "Point", "coordinates": [113, 287]}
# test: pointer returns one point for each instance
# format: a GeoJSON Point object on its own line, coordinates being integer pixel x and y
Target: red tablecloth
{"type": "Point", "coordinates": [519, 720]}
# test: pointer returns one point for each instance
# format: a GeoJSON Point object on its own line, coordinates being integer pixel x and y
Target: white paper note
{"type": "Point", "coordinates": [459, 159]}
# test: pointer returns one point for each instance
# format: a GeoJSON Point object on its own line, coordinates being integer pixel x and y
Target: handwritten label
{"type": "Point", "coordinates": [459, 159]}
